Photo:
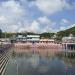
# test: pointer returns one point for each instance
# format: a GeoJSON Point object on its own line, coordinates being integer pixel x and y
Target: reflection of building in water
{"type": "Point", "coordinates": [69, 63]}
{"type": "Point", "coordinates": [68, 42]}
{"type": "Point", "coordinates": [41, 52]}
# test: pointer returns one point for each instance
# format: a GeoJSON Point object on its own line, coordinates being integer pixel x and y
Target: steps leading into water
{"type": "Point", "coordinates": [3, 64]}
{"type": "Point", "coordinates": [4, 58]}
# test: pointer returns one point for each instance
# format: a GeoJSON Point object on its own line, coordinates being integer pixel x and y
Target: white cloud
{"type": "Point", "coordinates": [12, 6]}
{"type": "Point", "coordinates": [64, 27]}
{"type": "Point", "coordinates": [52, 6]}
{"type": "Point", "coordinates": [21, 29]}
{"type": "Point", "coordinates": [46, 23]}
{"type": "Point", "coordinates": [41, 24]}
{"type": "Point", "coordinates": [65, 21]}
{"type": "Point", "coordinates": [72, 25]}
{"type": "Point", "coordinates": [11, 13]}
{"type": "Point", "coordinates": [64, 24]}
{"type": "Point", "coordinates": [12, 28]}
{"type": "Point", "coordinates": [34, 27]}
{"type": "Point", "coordinates": [16, 16]}
{"type": "Point", "coordinates": [44, 20]}
{"type": "Point", "coordinates": [2, 19]}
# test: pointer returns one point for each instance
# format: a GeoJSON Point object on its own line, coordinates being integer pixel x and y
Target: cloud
{"type": "Point", "coordinates": [12, 28]}
{"type": "Point", "coordinates": [46, 24]}
{"type": "Point", "coordinates": [17, 15]}
{"type": "Point", "coordinates": [11, 13]}
{"type": "Point", "coordinates": [40, 25]}
{"type": "Point", "coordinates": [64, 27]}
{"type": "Point", "coordinates": [65, 24]}
{"type": "Point", "coordinates": [44, 20]}
{"type": "Point", "coordinates": [34, 26]}
{"type": "Point", "coordinates": [2, 19]}
{"type": "Point", "coordinates": [11, 9]}
{"type": "Point", "coordinates": [52, 6]}
{"type": "Point", "coordinates": [65, 21]}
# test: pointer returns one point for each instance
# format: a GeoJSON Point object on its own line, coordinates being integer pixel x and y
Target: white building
{"type": "Point", "coordinates": [21, 38]}
{"type": "Point", "coordinates": [33, 38]}
{"type": "Point", "coordinates": [69, 42]}
{"type": "Point", "coordinates": [28, 38]}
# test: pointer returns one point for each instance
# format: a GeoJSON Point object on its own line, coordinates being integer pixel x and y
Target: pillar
{"type": "Point", "coordinates": [66, 47]}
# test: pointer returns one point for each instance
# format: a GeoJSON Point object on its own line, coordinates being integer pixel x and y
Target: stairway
{"type": "Point", "coordinates": [4, 58]}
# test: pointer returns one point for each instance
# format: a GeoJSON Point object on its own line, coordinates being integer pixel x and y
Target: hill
{"type": "Point", "coordinates": [59, 34]}
{"type": "Point", "coordinates": [66, 32]}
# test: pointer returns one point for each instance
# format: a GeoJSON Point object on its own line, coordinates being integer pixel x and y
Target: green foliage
{"type": "Point", "coordinates": [66, 33]}
{"type": "Point", "coordinates": [7, 35]}
{"type": "Point", "coordinates": [46, 35]}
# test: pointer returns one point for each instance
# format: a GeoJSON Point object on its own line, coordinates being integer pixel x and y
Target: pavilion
{"type": "Point", "coordinates": [68, 43]}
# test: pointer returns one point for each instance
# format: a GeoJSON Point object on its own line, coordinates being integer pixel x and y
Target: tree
{"type": "Point", "coordinates": [46, 35]}
{"type": "Point", "coordinates": [0, 33]}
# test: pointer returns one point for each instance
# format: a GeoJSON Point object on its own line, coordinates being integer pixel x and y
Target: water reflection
{"type": "Point", "coordinates": [35, 63]}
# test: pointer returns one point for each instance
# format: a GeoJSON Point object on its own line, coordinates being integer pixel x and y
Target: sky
{"type": "Point", "coordinates": [36, 15]}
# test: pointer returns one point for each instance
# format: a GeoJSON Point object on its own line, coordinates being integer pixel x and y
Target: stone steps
{"type": "Point", "coordinates": [3, 61]}
{"type": "Point", "coordinates": [4, 69]}
{"type": "Point", "coordinates": [2, 56]}
{"type": "Point", "coordinates": [3, 66]}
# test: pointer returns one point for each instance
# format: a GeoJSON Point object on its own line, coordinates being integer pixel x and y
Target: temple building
{"type": "Point", "coordinates": [28, 38]}
{"type": "Point", "coordinates": [21, 38]}
{"type": "Point", "coordinates": [68, 43]}
{"type": "Point", "coordinates": [47, 40]}
{"type": "Point", "coordinates": [33, 39]}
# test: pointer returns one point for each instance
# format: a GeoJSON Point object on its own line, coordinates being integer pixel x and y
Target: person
{"type": "Point", "coordinates": [33, 42]}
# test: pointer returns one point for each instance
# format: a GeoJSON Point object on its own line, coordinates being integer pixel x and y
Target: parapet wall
{"type": "Point", "coordinates": [38, 45]}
